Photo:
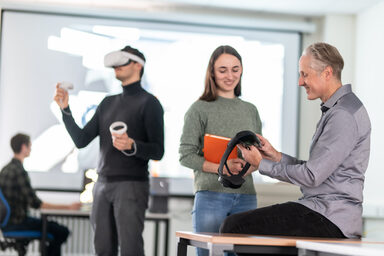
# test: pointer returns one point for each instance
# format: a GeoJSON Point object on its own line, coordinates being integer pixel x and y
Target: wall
{"type": "Point", "coordinates": [339, 30]}
{"type": "Point", "coordinates": [309, 110]}
{"type": "Point", "coordinates": [369, 64]}
{"type": "Point", "coordinates": [369, 86]}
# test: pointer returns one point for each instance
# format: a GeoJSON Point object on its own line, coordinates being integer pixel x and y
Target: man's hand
{"type": "Point", "coordinates": [122, 141]}
{"type": "Point", "coordinates": [267, 150]}
{"type": "Point", "coordinates": [61, 97]}
{"type": "Point", "coordinates": [252, 155]}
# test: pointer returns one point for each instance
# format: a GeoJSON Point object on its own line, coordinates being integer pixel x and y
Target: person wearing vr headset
{"type": "Point", "coordinates": [332, 179]}
{"type": "Point", "coordinates": [120, 195]}
{"type": "Point", "coordinates": [219, 111]}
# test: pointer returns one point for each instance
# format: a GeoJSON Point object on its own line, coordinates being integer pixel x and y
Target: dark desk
{"type": "Point", "coordinates": [217, 244]}
{"type": "Point", "coordinates": [157, 218]}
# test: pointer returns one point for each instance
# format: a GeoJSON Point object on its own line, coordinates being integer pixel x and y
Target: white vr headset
{"type": "Point", "coordinates": [120, 58]}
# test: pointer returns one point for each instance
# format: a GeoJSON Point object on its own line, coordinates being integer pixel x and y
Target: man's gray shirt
{"type": "Point", "coordinates": [332, 180]}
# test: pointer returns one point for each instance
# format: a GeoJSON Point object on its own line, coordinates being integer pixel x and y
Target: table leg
{"type": "Point", "coordinates": [305, 252]}
{"type": "Point", "coordinates": [43, 243]}
{"type": "Point", "coordinates": [166, 237]}
{"type": "Point", "coordinates": [156, 237]}
{"type": "Point", "coordinates": [219, 249]}
{"type": "Point", "coordinates": [182, 246]}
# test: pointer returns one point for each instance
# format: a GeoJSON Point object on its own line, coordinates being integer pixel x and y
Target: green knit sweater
{"type": "Point", "coordinates": [223, 117]}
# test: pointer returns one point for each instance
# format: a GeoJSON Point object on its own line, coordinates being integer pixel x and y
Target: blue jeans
{"type": "Point", "coordinates": [211, 208]}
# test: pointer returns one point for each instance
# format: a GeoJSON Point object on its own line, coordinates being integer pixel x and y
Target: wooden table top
{"type": "Point", "coordinates": [242, 239]}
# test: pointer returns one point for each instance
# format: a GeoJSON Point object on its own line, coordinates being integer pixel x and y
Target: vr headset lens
{"type": "Point", "coordinates": [121, 58]}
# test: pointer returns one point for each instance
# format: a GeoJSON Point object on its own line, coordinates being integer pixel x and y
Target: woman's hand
{"type": "Point", "coordinates": [235, 166]}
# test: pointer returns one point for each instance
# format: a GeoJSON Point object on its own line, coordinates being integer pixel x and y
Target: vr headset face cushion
{"type": "Point", "coordinates": [120, 58]}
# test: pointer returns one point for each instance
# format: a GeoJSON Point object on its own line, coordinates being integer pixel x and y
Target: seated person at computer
{"type": "Point", "coordinates": [332, 179]}
{"type": "Point", "coordinates": [16, 187]}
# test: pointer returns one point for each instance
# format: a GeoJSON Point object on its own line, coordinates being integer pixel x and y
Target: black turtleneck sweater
{"type": "Point", "coordinates": [142, 113]}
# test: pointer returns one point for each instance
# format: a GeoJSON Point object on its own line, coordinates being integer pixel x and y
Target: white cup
{"type": "Point", "coordinates": [118, 127]}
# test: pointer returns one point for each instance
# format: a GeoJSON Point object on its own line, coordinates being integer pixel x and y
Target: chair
{"type": "Point", "coordinates": [17, 240]}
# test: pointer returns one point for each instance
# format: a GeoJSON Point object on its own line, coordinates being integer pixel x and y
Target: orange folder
{"type": "Point", "coordinates": [215, 146]}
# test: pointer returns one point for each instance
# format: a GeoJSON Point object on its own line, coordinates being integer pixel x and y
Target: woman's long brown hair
{"type": "Point", "coordinates": [210, 89]}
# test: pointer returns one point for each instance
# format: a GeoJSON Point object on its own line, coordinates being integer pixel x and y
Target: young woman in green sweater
{"type": "Point", "coordinates": [219, 111]}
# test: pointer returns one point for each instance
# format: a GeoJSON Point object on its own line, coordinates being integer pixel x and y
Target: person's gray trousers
{"type": "Point", "coordinates": [117, 218]}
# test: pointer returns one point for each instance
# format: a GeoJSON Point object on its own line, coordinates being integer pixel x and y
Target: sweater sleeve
{"type": "Point", "coordinates": [81, 137]}
{"type": "Point", "coordinates": [154, 127]}
{"type": "Point", "coordinates": [258, 122]}
{"type": "Point", "coordinates": [191, 143]}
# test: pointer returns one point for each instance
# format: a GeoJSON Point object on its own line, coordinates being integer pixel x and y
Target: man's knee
{"type": "Point", "coordinates": [65, 233]}
{"type": "Point", "coordinates": [59, 232]}
{"type": "Point", "coordinates": [228, 224]}
{"type": "Point", "coordinates": [105, 251]}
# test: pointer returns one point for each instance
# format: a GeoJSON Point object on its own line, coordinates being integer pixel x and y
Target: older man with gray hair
{"type": "Point", "coordinates": [332, 179]}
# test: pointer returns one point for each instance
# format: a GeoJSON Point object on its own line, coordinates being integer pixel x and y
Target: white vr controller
{"type": "Point", "coordinates": [120, 58]}
{"type": "Point", "coordinates": [118, 127]}
{"type": "Point", "coordinates": [66, 85]}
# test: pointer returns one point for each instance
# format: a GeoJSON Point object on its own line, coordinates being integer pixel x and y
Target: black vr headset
{"type": "Point", "coordinates": [246, 139]}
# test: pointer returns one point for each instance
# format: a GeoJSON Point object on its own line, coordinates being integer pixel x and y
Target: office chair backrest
{"type": "Point", "coordinates": [5, 210]}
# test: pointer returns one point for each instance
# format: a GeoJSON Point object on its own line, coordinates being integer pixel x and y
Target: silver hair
{"type": "Point", "coordinates": [324, 55]}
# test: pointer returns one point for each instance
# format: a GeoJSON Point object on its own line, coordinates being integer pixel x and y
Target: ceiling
{"type": "Point", "coordinates": [296, 7]}
{"type": "Point", "coordinates": [291, 7]}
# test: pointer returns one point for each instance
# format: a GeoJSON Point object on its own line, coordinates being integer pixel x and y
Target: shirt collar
{"type": "Point", "coordinates": [16, 161]}
{"type": "Point", "coordinates": [343, 90]}
{"type": "Point", "coordinates": [132, 88]}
